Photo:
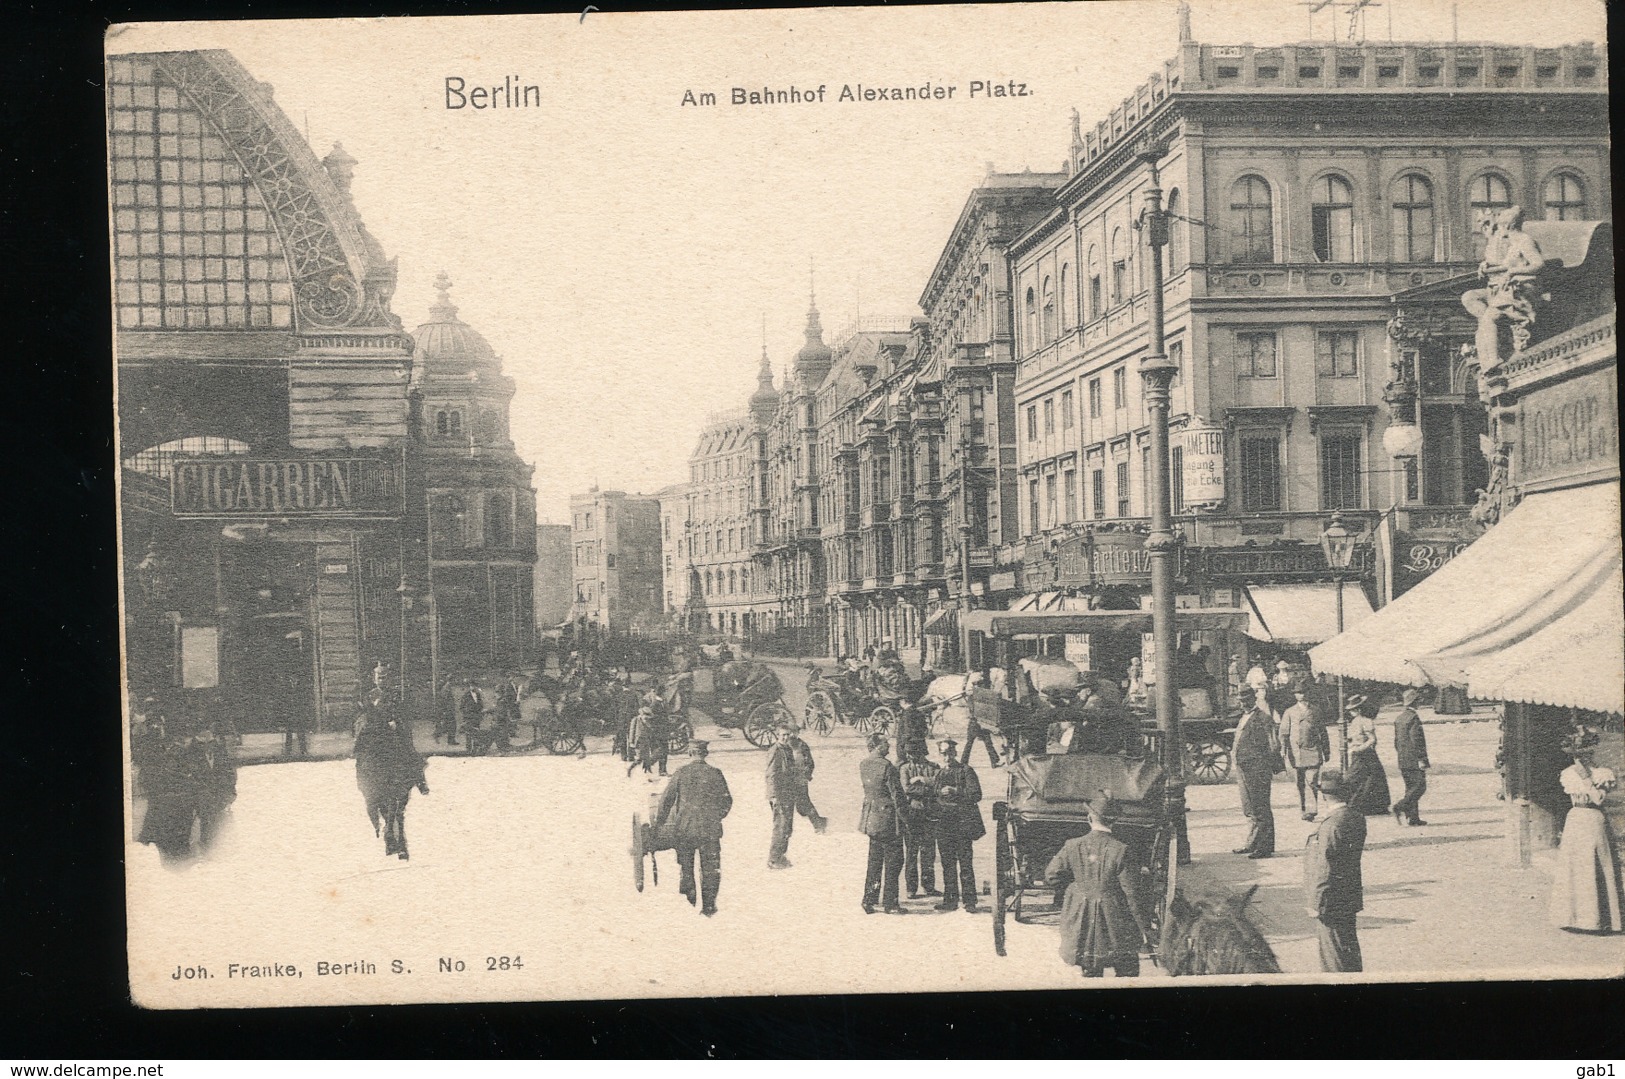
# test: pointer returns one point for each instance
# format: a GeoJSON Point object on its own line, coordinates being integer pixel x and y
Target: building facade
{"type": "Point", "coordinates": [273, 495]}
{"type": "Point", "coordinates": [711, 547]}
{"type": "Point", "coordinates": [615, 560]}
{"type": "Point", "coordinates": [1308, 187]}
{"type": "Point", "coordinates": [553, 581]}
{"type": "Point", "coordinates": [482, 510]}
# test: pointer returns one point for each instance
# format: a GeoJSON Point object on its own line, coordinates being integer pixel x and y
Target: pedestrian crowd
{"type": "Point", "coordinates": [182, 752]}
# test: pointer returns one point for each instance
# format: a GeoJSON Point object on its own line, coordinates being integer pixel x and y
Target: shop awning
{"type": "Point", "coordinates": [1041, 623]}
{"type": "Point", "coordinates": [944, 622]}
{"type": "Point", "coordinates": [1538, 593]}
{"type": "Point", "coordinates": [1298, 615]}
{"type": "Point", "coordinates": [1037, 601]}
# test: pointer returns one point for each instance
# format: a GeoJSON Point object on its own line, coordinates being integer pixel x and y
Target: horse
{"type": "Point", "coordinates": [1213, 935]}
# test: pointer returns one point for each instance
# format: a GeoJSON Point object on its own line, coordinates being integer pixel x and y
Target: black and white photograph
{"type": "Point", "coordinates": [869, 500]}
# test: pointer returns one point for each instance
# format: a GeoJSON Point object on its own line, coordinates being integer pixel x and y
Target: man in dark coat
{"type": "Point", "coordinates": [387, 767]}
{"type": "Point", "coordinates": [1100, 916]}
{"type": "Point", "coordinates": [1257, 753]}
{"type": "Point", "coordinates": [216, 773]}
{"type": "Point", "coordinates": [1411, 746]}
{"type": "Point", "coordinates": [470, 712]}
{"type": "Point", "coordinates": [881, 822]}
{"type": "Point", "coordinates": [445, 712]}
{"type": "Point", "coordinates": [959, 825]}
{"type": "Point", "coordinates": [693, 805]}
{"type": "Point", "coordinates": [919, 779]}
{"type": "Point", "coordinates": [784, 789]}
{"type": "Point", "coordinates": [1332, 887]}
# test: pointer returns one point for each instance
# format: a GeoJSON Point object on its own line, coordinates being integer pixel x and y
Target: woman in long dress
{"type": "Point", "coordinates": [1367, 780]}
{"type": "Point", "coordinates": [1586, 891]}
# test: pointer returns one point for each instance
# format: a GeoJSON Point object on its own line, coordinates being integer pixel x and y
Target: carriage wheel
{"type": "Point", "coordinates": [564, 740]}
{"type": "Point", "coordinates": [820, 714]}
{"type": "Point", "coordinates": [1164, 871]}
{"type": "Point", "coordinates": [1207, 759]}
{"type": "Point", "coordinates": [762, 721]}
{"type": "Point", "coordinates": [681, 732]}
{"type": "Point", "coordinates": [1003, 878]}
{"type": "Point", "coordinates": [637, 851]}
{"type": "Point", "coordinates": [881, 719]}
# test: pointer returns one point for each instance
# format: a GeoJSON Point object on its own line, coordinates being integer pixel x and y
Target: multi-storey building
{"type": "Point", "coordinates": [482, 510]}
{"type": "Point", "coordinates": [967, 377]}
{"type": "Point", "coordinates": [677, 589]}
{"type": "Point", "coordinates": [715, 547]}
{"type": "Point", "coordinates": [1309, 186]}
{"type": "Point", "coordinates": [615, 560]}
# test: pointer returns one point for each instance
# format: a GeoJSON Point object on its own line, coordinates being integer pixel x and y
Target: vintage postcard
{"type": "Point", "coordinates": [866, 500]}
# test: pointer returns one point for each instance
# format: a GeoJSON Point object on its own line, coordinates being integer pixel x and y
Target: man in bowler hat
{"type": "Point", "coordinates": [1333, 891]}
{"type": "Point", "coordinates": [1411, 746]}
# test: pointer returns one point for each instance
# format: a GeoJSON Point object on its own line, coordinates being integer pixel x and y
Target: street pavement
{"type": "Point", "coordinates": [527, 851]}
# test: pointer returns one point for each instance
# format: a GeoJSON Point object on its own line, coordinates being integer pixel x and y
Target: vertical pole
{"type": "Point", "coordinates": [1342, 697]}
{"type": "Point", "coordinates": [1162, 545]}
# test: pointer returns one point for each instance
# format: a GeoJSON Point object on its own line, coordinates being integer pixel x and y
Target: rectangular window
{"type": "Point", "coordinates": [1069, 495]}
{"type": "Point", "coordinates": [1255, 354]}
{"type": "Point", "coordinates": [1094, 398]}
{"type": "Point", "coordinates": [1340, 471]}
{"type": "Point", "coordinates": [1119, 280]}
{"type": "Point", "coordinates": [1052, 513]}
{"type": "Point", "coordinates": [1337, 354]}
{"type": "Point", "coordinates": [1122, 489]}
{"type": "Point", "coordinates": [1120, 388]}
{"type": "Point", "coordinates": [1032, 423]}
{"type": "Point", "coordinates": [1066, 410]}
{"type": "Point", "coordinates": [1032, 506]}
{"type": "Point", "coordinates": [1049, 415]}
{"type": "Point", "coordinates": [1260, 473]}
{"type": "Point", "coordinates": [1097, 493]}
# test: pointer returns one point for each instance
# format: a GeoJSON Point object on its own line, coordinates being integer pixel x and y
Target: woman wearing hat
{"type": "Point", "coordinates": [1585, 888]}
{"type": "Point", "coordinates": [1367, 780]}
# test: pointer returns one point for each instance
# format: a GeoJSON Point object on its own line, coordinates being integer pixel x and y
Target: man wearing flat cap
{"type": "Point", "coordinates": [695, 801]}
{"type": "Point", "coordinates": [1333, 891]}
{"type": "Point", "coordinates": [959, 825]}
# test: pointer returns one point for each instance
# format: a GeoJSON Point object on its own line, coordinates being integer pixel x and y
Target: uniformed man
{"type": "Point", "coordinates": [918, 775]}
{"type": "Point", "coordinates": [695, 802]}
{"type": "Point", "coordinates": [880, 821]}
{"type": "Point", "coordinates": [959, 825]}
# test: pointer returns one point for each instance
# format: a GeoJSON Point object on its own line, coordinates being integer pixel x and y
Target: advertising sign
{"type": "Point", "coordinates": [292, 487]}
{"type": "Point", "coordinates": [1202, 463]}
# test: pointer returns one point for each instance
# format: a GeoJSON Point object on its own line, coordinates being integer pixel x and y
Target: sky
{"type": "Point", "coordinates": [622, 251]}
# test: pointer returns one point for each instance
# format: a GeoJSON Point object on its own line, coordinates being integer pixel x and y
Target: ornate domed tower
{"type": "Point", "coordinates": [482, 510]}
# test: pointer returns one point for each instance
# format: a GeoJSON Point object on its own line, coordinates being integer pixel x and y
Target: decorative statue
{"type": "Point", "coordinates": [1512, 263]}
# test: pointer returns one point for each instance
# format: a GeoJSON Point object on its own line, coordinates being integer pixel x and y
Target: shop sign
{"type": "Point", "coordinates": [1415, 560]}
{"type": "Point", "coordinates": [1105, 558]}
{"type": "Point", "coordinates": [1570, 429]}
{"type": "Point", "coordinates": [1298, 560]}
{"type": "Point", "coordinates": [1002, 582]}
{"type": "Point", "coordinates": [291, 487]}
{"type": "Point", "coordinates": [1202, 464]}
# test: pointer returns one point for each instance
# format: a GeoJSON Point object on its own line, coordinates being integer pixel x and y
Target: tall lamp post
{"type": "Point", "coordinates": [1162, 546]}
{"type": "Point", "coordinates": [1338, 543]}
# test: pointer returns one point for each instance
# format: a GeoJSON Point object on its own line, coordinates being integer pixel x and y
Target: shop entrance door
{"type": "Point", "coordinates": [277, 675]}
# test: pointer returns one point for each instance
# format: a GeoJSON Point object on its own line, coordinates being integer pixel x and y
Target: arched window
{"type": "Point", "coordinates": [442, 423]}
{"type": "Point", "coordinates": [1032, 320]}
{"type": "Point", "coordinates": [1565, 198]}
{"type": "Point", "coordinates": [1096, 299]}
{"type": "Point", "coordinates": [1487, 195]}
{"type": "Point", "coordinates": [449, 423]}
{"type": "Point", "coordinates": [1176, 251]}
{"type": "Point", "coordinates": [1119, 254]}
{"type": "Point", "coordinates": [448, 520]}
{"type": "Point", "coordinates": [1049, 310]}
{"type": "Point", "coordinates": [733, 582]}
{"type": "Point", "coordinates": [708, 582]}
{"type": "Point", "coordinates": [1412, 220]}
{"type": "Point", "coordinates": [1066, 279]}
{"type": "Point", "coordinates": [159, 460]}
{"type": "Point", "coordinates": [498, 519]}
{"type": "Point", "coordinates": [1332, 222]}
{"type": "Point", "coordinates": [744, 580]}
{"type": "Point", "coordinates": [490, 426]}
{"type": "Point", "coordinates": [1252, 221]}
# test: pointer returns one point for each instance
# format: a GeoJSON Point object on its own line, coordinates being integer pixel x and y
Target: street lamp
{"type": "Point", "coordinates": [1162, 545]}
{"type": "Point", "coordinates": [1338, 543]}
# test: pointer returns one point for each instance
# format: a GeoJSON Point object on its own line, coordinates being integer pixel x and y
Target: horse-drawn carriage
{"type": "Point", "coordinates": [743, 695]}
{"type": "Point", "coordinates": [834, 701]}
